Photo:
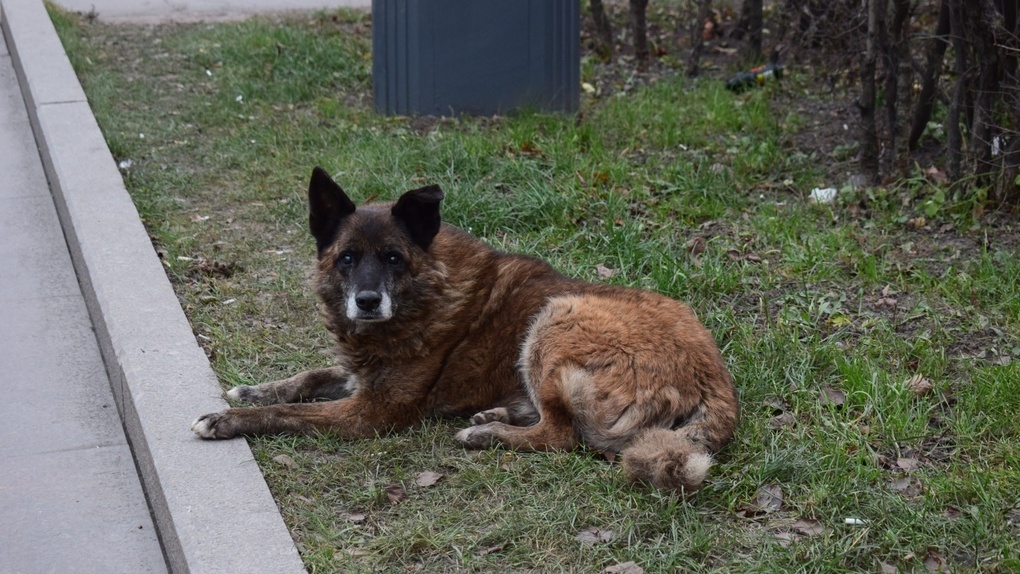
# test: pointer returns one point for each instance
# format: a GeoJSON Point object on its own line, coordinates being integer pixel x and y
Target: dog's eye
{"type": "Point", "coordinates": [394, 259]}
{"type": "Point", "coordinates": [346, 259]}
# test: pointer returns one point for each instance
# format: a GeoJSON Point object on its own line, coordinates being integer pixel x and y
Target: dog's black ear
{"type": "Point", "coordinates": [328, 205]}
{"type": "Point", "coordinates": [418, 210]}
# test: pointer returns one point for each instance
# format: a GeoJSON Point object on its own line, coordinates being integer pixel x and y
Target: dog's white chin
{"type": "Point", "coordinates": [370, 319]}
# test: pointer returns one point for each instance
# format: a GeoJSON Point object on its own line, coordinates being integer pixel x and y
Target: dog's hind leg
{"type": "Point", "coordinates": [333, 383]}
{"type": "Point", "coordinates": [553, 430]}
{"type": "Point", "coordinates": [519, 412]}
{"type": "Point", "coordinates": [545, 435]}
{"type": "Point", "coordinates": [496, 415]}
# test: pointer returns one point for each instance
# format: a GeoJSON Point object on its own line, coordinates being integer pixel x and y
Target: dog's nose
{"type": "Point", "coordinates": [368, 300]}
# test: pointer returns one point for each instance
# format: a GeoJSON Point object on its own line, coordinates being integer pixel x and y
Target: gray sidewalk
{"type": "Point", "coordinates": [99, 370]}
{"type": "Point", "coordinates": [70, 499]}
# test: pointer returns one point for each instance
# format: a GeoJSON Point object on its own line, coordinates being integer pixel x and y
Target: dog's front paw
{"type": "Point", "coordinates": [498, 414]}
{"type": "Point", "coordinates": [214, 426]}
{"type": "Point", "coordinates": [476, 436]}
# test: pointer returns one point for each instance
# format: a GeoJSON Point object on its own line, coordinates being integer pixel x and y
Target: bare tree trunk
{"type": "Point", "coordinates": [929, 82]}
{"type": "Point", "coordinates": [697, 42]}
{"type": "Point", "coordinates": [889, 88]}
{"type": "Point", "coordinates": [982, 131]}
{"type": "Point", "coordinates": [986, 27]}
{"type": "Point", "coordinates": [1007, 189]}
{"type": "Point", "coordinates": [954, 146]}
{"type": "Point", "coordinates": [898, 73]}
{"type": "Point", "coordinates": [639, 27]}
{"type": "Point", "coordinates": [603, 30]}
{"type": "Point", "coordinates": [748, 29]}
{"type": "Point", "coordinates": [868, 159]}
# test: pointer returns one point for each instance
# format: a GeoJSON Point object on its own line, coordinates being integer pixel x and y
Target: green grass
{"type": "Point", "coordinates": [223, 123]}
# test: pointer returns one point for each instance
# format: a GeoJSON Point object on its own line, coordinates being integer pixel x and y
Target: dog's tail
{"type": "Point", "coordinates": [678, 459]}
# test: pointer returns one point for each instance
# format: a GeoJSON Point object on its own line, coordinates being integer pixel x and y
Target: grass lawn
{"type": "Point", "coordinates": [875, 340]}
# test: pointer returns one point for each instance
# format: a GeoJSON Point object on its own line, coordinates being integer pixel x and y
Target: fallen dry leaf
{"type": "Point", "coordinates": [900, 484]}
{"type": "Point", "coordinates": [768, 499]}
{"type": "Point", "coordinates": [396, 493]}
{"type": "Point", "coordinates": [785, 539]}
{"type": "Point", "coordinates": [507, 461]}
{"type": "Point", "coordinates": [427, 478]}
{"type": "Point", "coordinates": [934, 562]}
{"type": "Point", "coordinates": [695, 245]}
{"type": "Point", "coordinates": [782, 421]}
{"type": "Point", "coordinates": [808, 527]}
{"type": "Point", "coordinates": [595, 536]}
{"type": "Point", "coordinates": [906, 486]}
{"type": "Point", "coordinates": [604, 272]}
{"type": "Point", "coordinates": [285, 460]}
{"type": "Point", "coordinates": [490, 550]}
{"type": "Point", "coordinates": [908, 464]}
{"type": "Point", "coordinates": [831, 396]}
{"type": "Point", "coordinates": [358, 552]}
{"type": "Point", "coordinates": [624, 568]}
{"type": "Point", "coordinates": [919, 385]}
{"type": "Point", "coordinates": [803, 528]}
{"type": "Point", "coordinates": [917, 222]}
{"type": "Point", "coordinates": [213, 268]}
{"type": "Point", "coordinates": [936, 176]}
{"type": "Point", "coordinates": [529, 148]}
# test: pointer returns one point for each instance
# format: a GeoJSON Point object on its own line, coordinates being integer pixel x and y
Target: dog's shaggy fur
{"type": "Point", "coordinates": [429, 321]}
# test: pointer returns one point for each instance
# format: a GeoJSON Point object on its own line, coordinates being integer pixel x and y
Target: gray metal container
{"type": "Point", "coordinates": [448, 57]}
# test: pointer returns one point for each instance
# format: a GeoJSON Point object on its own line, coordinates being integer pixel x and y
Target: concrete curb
{"type": "Point", "coordinates": [211, 505]}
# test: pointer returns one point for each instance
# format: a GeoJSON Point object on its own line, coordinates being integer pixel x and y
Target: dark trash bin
{"type": "Point", "coordinates": [447, 57]}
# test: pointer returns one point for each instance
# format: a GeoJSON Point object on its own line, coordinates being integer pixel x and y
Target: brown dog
{"type": "Point", "coordinates": [429, 321]}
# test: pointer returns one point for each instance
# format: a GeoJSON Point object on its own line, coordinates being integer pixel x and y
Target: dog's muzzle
{"type": "Point", "coordinates": [368, 305]}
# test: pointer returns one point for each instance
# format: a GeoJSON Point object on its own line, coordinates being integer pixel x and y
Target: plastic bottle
{"type": "Point", "coordinates": [754, 77]}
